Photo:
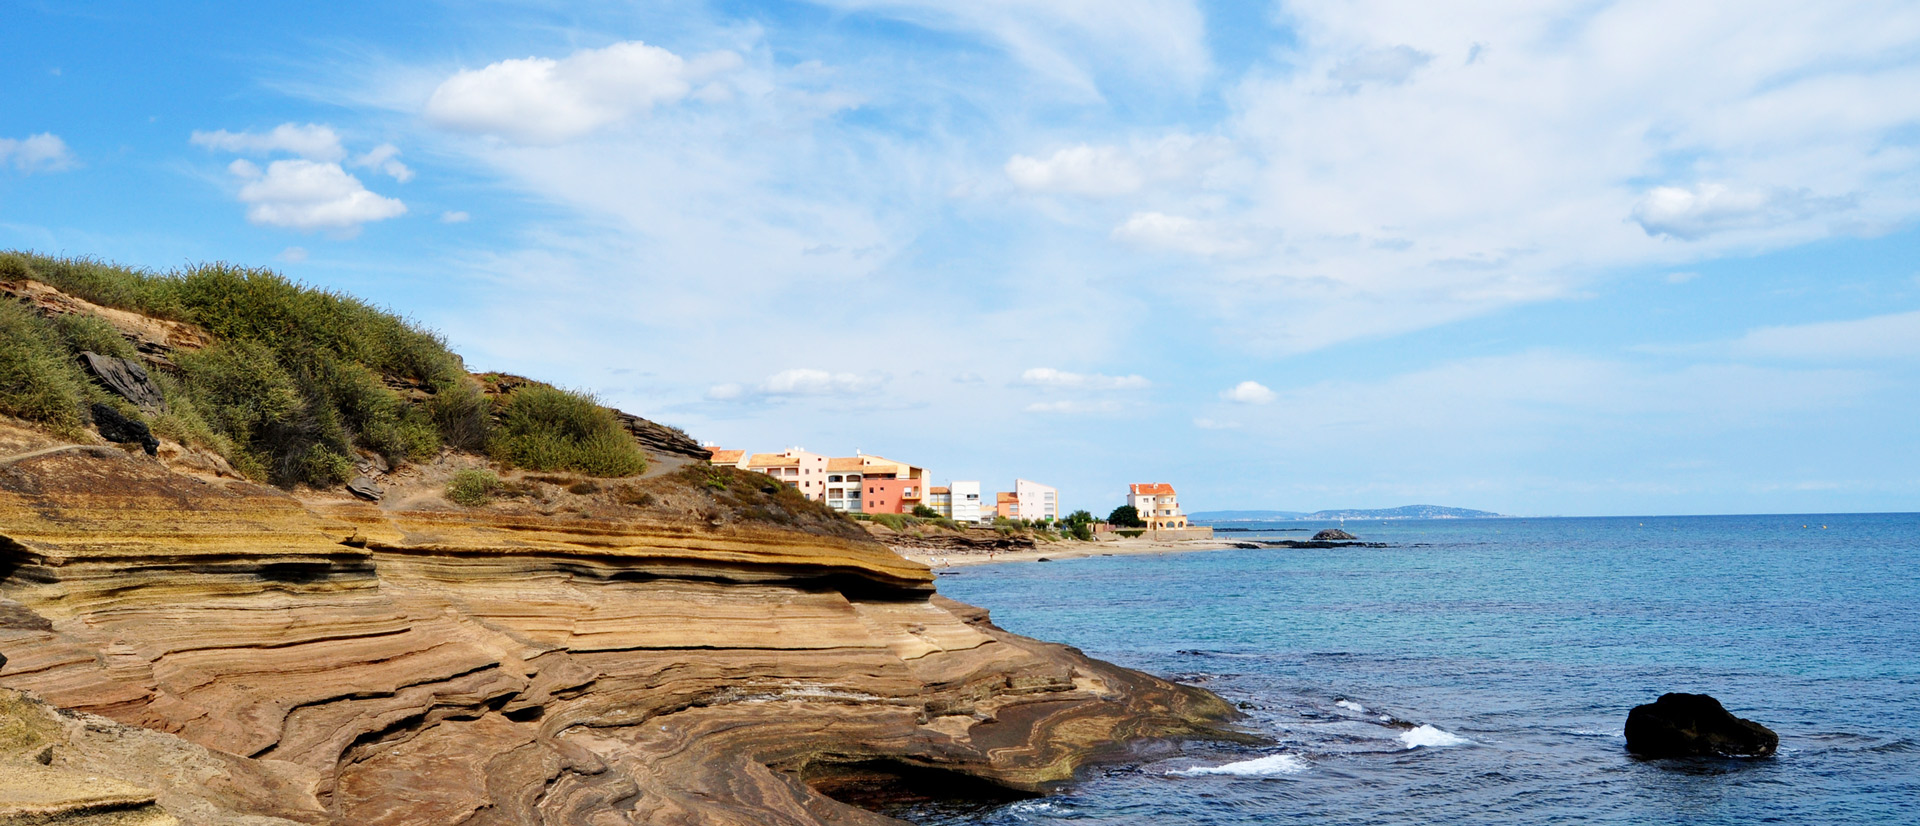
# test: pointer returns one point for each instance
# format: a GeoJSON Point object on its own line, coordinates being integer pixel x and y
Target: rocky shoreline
{"type": "Point", "coordinates": [270, 658]}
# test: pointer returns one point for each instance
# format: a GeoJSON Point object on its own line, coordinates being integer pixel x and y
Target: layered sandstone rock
{"type": "Point", "coordinates": [345, 662]}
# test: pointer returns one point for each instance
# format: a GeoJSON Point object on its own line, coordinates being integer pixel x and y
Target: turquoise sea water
{"type": "Point", "coordinates": [1507, 654]}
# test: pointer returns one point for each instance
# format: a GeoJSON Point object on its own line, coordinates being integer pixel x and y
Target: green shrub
{"type": "Point", "coordinates": [323, 467]}
{"type": "Point", "coordinates": [38, 378]}
{"type": "Point", "coordinates": [472, 488]}
{"type": "Point", "coordinates": [86, 332]}
{"type": "Point", "coordinates": [545, 428]}
{"type": "Point", "coordinates": [925, 512]}
{"type": "Point", "coordinates": [1131, 534]}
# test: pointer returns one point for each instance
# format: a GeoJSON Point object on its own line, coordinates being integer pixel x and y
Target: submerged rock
{"type": "Point", "coordinates": [1695, 725]}
{"type": "Point", "coordinates": [1333, 535]}
{"type": "Point", "coordinates": [120, 430]}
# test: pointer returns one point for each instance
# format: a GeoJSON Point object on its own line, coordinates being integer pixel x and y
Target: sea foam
{"type": "Point", "coordinates": [1270, 766]}
{"type": "Point", "coordinates": [1431, 737]}
{"type": "Point", "coordinates": [1351, 706]}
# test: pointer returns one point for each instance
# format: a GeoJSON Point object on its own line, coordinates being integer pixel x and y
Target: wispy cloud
{"type": "Point", "coordinates": [44, 152]}
{"type": "Point", "coordinates": [1049, 377]}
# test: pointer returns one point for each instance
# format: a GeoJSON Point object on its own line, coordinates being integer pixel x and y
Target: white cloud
{"type": "Point", "coordinates": [44, 152]}
{"type": "Point", "coordinates": [802, 381]}
{"type": "Point", "coordinates": [1106, 171]}
{"type": "Point", "coordinates": [1079, 170]}
{"type": "Point", "coordinates": [1049, 377]}
{"type": "Point", "coordinates": [386, 158]}
{"type": "Point", "coordinates": [1157, 230]}
{"type": "Point", "coordinates": [1681, 277]}
{"type": "Point", "coordinates": [725, 392]}
{"type": "Point", "coordinates": [312, 141]}
{"type": "Point", "coordinates": [1692, 214]}
{"type": "Point", "coordinates": [306, 195]}
{"type": "Point", "coordinates": [1892, 336]}
{"type": "Point", "coordinates": [1071, 407]}
{"type": "Point", "coordinates": [539, 100]}
{"type": "Point", "coordinates": [1248, 392]}
{"type": "Point", "coordinates": [454, 216]}
{"type": "Point", "coordinates": [1392, 66]}
{"type": "Point", "coordinates": [293, 255]}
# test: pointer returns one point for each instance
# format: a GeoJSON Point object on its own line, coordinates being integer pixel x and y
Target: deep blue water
{"type": "Point", "coordinates": [1516, 647]}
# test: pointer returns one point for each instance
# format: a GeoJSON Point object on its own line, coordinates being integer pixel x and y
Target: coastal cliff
{"type": "Point", "coordinates": [317, 659]}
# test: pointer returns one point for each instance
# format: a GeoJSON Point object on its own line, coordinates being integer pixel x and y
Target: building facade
{"type": "Point", "coordinates": [941, 501]}
{"type": "Point", "coordinates": [964, 498]}
{"type": "Point", "coordinates": [1158, 505]}
{"type": "Point", "coordinates": [1036, 501]}
{"type": "Point", "coordinates": [796, 467]}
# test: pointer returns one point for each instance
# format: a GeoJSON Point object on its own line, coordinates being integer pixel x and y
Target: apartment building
{"type": "Point", "coordinates": [964, 502]}
{"type": "Point", "coordinates": [1158, 505]}
{"type": "Point", "coordinates": [796, 467]}
{"type": "Point", "coordinates": [721, 457]}
{"type": "Point", "coordinates": [940, 500]}
{"type": "Point", "coordinates": [874, 484]}
{"type": "Point", "coordinates": [1036, 501]}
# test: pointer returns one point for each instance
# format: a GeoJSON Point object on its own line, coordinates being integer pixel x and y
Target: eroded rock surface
{"type": "Point", "coordinates": [348, 662]}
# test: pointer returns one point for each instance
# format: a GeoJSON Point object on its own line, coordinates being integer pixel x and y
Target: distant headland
{"type": "Point", "coordinates": [1402, 512]}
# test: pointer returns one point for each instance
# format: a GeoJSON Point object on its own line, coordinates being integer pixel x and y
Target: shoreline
{"type": "Point", "coordinates": [1064, 549]}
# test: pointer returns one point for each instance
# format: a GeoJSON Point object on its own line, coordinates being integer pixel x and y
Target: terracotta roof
{"type": "Point", "coordinates": [939, 490]}
{"type": "Point", "coordinates": [1000, 498]}
{"type": "Point", "coordinates": [1154, 489]}
{"type": "Point", "coordinates": [726, 457]}
{"type": "Point", "coordinates": [773, 460]}
{"type": "Point", "coordinates": [846, 463]}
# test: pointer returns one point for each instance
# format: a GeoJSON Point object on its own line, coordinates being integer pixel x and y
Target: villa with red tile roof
{"type": "Point", "coordinates": [1158, 505]}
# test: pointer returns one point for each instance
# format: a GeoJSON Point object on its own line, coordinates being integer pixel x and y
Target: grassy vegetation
{"type": "Point", "coordinates": [472, 488]}
{"type": "Point", "coordinates": [38, 380]}
{"type": "Point", "coordinates": [298, 380]}
{"type": "Point", "coordinates": [546, 428]}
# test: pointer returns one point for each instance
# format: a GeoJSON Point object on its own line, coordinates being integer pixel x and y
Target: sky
{"type": "Point", "coordinates": [1540, 258]}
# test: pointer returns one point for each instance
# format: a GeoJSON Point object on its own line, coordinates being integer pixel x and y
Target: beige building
{"type": "Point", "coordinates": [796, 467]}
{"type": "Point", "coordinates": [1158, 505]}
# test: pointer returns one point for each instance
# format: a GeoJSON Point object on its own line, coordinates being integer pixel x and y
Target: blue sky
{"type": "Point", "coordinates": [1534, 257]}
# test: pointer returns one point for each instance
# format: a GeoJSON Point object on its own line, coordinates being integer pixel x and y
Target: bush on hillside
{"type": "Point", "coordinates": [296, 380]}
{"type": "Point", "coordinates": [85, 333]}
{"type": "Point", "coordinates": [38, 379]}
{"type": "Point", "coordinates": [925, 512]}
{"type": "Point", "coordinates": [472, 488]}
{"type": "Point", "coordinates": [546, 428]}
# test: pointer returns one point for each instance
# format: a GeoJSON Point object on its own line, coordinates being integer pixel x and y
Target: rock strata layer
{"type": "Point", "coordinates": [341, 662]}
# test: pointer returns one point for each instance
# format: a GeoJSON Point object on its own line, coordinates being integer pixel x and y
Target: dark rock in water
{"type": "Point", "coordinates": [1333, 535]}
{"type": "Point", "coordinates": [365, 488]}
{"type": "Point", "coordinates": [1695, 725]}
{"type": "Point", "coordinates": [119, 429]}
{"type": "Point", "coordinates": [1043, 559]}
{"type": "Point", "coordinates": [126, 377]}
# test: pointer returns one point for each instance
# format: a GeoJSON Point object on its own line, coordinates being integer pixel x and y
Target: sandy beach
{"type": "Point", "coordinates": [1065, 549]}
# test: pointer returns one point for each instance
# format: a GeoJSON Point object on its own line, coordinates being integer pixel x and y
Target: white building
{"type": "Point", "coordinates": [1158, 505]}
{"type": "Point", "coordinates": [965, 499]}
{"type": "Point", "coordinates": [1036, 501]}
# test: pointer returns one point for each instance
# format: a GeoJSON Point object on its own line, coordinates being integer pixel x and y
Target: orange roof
{"type": "Point", "coordinates": [939, 490]}
{"type": "Point", "coordinates": [849, 463]}
{"type": "Point", "coordinates": [1153, 489]}
{"type": "Point", "coordinates": [726, 457]}
{"type": "Point", "coordinates": [773, 460]}
{"type": "Point", "coordinates": [1003, 498]}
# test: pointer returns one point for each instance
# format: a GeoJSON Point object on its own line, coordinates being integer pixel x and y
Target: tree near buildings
{"type": "Point", "coordinates": [1126, 516]}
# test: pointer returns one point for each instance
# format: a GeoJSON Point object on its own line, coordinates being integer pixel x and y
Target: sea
{"type": "Point", "coordinates": [1480, 671]}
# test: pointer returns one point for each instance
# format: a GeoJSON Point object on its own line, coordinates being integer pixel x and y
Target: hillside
{"type": "Point", "coordinates": [321, 573]}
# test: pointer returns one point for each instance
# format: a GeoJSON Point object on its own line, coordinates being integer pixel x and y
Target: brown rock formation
{"type": "Point", "coordinates": [347, 662]}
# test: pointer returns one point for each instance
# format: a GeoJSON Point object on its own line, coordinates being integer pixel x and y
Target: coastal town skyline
{"type": "Point", "coordinates": [1525, 258]}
